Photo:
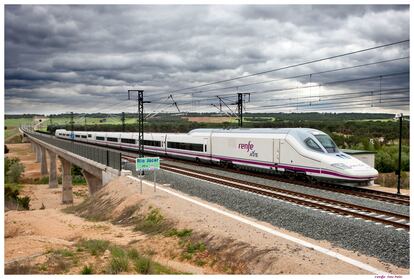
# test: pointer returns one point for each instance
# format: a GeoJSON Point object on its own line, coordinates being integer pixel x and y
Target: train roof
{"type": "Point", "coordinates": [202, 131]}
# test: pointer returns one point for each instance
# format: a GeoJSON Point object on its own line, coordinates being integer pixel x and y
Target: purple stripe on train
{"type": "Point", "coordinates": [257, 163]}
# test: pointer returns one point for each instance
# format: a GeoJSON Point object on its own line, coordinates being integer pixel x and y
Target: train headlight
{"type": "Point", "coordinates": [341, 166]}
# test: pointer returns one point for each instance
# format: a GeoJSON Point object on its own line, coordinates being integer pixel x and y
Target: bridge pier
{"type": "Point", "coordinates": [43, 161]}
{"type": "Point", "coordinates": [67, 194]}
{"type": "Point", "coordinates": [38, 155]}
{"type": "Point", "coordinates": [53, 182]}
{"type": "Point", "coordinates": [24, 139]}
{"type": "Point", "coordinates": [94, 182]}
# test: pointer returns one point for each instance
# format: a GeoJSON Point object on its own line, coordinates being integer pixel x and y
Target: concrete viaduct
{"type": "Point", "coordinates": [97, 175]}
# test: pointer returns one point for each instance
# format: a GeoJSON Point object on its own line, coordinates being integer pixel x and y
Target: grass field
{"type": "Point", "coordinates": [14, 123]}
{"type": "Point", "coordinates": [12, 126]}
{"type": "Point", "coordinates": [89, 121]}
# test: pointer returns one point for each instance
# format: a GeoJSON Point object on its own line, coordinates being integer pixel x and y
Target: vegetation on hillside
{"type": "Point", "coordinates": [13, 170]}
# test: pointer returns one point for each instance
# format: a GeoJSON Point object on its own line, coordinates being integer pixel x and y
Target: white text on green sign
{"type": "Point", "coordinates": [148, 163]}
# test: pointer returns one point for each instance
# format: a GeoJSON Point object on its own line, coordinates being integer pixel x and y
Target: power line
{"type": "Point", "coordinates": [331, 83]}
{"type": "Point", "coordinates": [334, 105]}
{"type": "Point", "coordinates": [297, 76]}
{"type": "Point", "coordinates": [359, 93]}
{"type": "Point", "coordinates": [287, 67]}
{"type": "Point", "coordinates": [308, 86]}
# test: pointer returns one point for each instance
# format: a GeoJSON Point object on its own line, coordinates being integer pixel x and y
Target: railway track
{"type": "Point", "coordinates": [349, 190]}
{"type": "Point", "coordinates": [398, 221]}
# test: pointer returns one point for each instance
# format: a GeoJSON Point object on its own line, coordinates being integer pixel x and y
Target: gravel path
{"type": "Point", "coordinates": [401, 209]}
{"type": "Point", "coordinates": [367, 238]}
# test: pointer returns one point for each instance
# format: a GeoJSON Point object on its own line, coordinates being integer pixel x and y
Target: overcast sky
{"type": "Point", "coordinates": [85, 58]}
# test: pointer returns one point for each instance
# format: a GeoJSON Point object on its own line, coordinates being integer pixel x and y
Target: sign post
{"type": "Point", "coordinates": [147, 164]}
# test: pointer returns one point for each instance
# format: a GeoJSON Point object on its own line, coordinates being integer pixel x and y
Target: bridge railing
{"type": "Point", "coordinates": [101, 155]}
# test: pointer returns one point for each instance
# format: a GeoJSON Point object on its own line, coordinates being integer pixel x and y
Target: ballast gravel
{"type": "Point", "coordinates": [368, 238]}
{"type": "Point", "coordinates": [380, 205]}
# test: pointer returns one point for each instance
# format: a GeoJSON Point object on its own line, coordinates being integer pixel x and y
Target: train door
{"type": "Point", "coordinates": [276, 148]}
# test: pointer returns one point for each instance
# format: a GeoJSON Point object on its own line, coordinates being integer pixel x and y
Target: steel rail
{"type": "Point", "coordinates": [310, 202]}
{"type": "Point", "coordinates": [332, 187]}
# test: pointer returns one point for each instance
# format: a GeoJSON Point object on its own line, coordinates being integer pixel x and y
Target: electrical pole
{"type": "Point", "coordinates": [72, 134]}
{"type": "Point", "coordinates": [240, 108]}
{"type": "Point", "coordinates": [141, 102]}
{"type": "Point", "coordinates": [85, 122]}
{"type": "Point", "coordinates": [240, 101]}
{"type": "Point", "coordinates": [123, 121]}
{"type": "Point", "coordinates": [71, 121]}
{"type": "Point", "coordinates": [399, 156]}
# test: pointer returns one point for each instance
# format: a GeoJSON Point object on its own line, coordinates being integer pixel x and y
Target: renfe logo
{"type": "Point", "coordinates": [248, 146]}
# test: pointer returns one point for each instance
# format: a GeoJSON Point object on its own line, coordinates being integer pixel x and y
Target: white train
{"type": "Point", "coordinates": [298, 151]}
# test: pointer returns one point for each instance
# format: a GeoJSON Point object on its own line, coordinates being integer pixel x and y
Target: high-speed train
{"type": "Point", "coordinates": [294, 151]}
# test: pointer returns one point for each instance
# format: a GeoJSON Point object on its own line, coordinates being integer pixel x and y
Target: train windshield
{"type": "Point", "coordinates": [328, 143]}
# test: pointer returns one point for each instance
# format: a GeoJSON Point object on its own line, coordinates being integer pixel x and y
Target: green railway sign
{"type": "Point", "coordinates": [147, 163]}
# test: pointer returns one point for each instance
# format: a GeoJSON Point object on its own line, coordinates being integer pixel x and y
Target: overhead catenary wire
{"type": "Point", "coordinates": [287, 67]}
{"type": "Point", "coordinates": [334, 105]}
{"type": "Point", "coordinates": [294, 77]}
{"type": "Point", "coordinates": [206, 101]}
{"type": "Point", "coordinates": [370, 94]}
{"type": "Point", "coordinates": [262, 92]}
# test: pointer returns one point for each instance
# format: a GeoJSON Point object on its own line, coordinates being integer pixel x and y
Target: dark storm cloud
{"type": "Point", "coordinates": [84, 58]}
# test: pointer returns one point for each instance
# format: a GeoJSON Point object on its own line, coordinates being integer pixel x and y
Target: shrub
{"type": "Point", "coordinates": [63, 252]}
{"type": "Point", "coordinates": [195, 247]}
{"type": "Point", "coordinates": [94, 246]}
{"type": "Point", "coordinates": [133, 254]}
{"type": "Point", "coordinates": [75, 170]}
{"type": "Point", "coordinates": [153, 223]}
{"type": "Point", "coordinates": [24, 202]}
{"type": "Point", "coordinates": [78, 180]}
{"type": "Point", "coordinates": [87, 270]}
{"type": "Point", "coordinates": [13, 170]}
{"type": "Point", "coordinates": [142, 265]}
{"type": "Point", "coordinates": [179, 233]}
{"type": "Point", "coordinates": [118, 264]}
{"type": "Point", "coordinates": [6, 149]}
{"type": "Point", "coordinates": [11, 197]}
{"type": "Point", "coordinates": [11, 192]}
{"type": "Point", "coordinates": [117, 252]}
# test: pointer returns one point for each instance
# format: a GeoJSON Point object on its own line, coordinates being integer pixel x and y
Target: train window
{"type": "Point", "coordinates": [89, 135]}
{"type": "Point", "coordinates": [100, 138]}
{"type": "Point", "coordinates": [83, 136]}
{"type": "Point", "coordinates": [131, 141]}
{"type": "Point", "coordinates": [186, 146]}
{"type": "Point", "coordinates": [112, 139]}
{"type": "Point", "coordinates": [328, 143]}
{"type": "Point", "coordinates": [312, 144]}
{"type": "Point", "coordinates": [151, 143]}
{"type": "Point", "coordinates": [78, 136]}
